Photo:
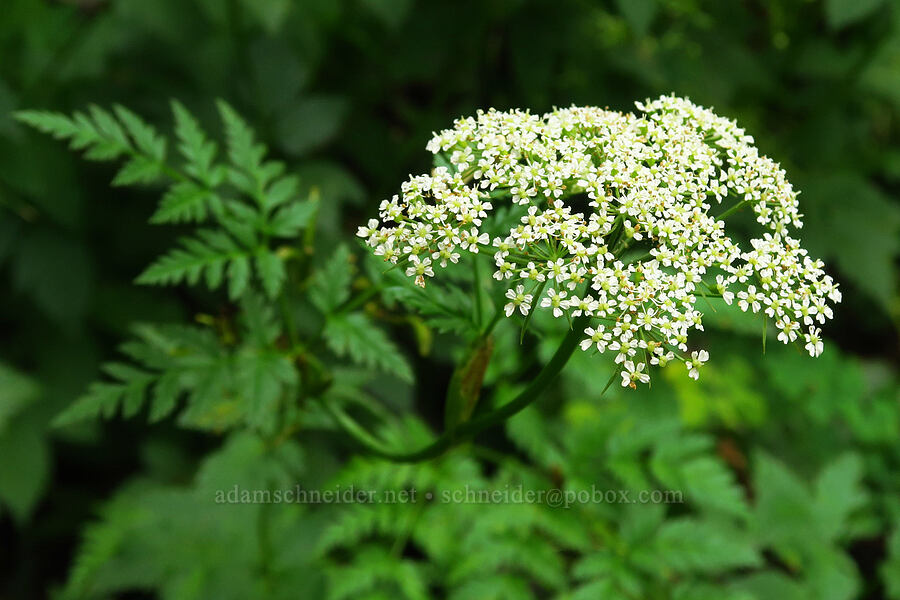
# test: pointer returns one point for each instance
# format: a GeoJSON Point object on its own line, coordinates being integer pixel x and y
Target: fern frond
{"type": "Point", "coordinates": [198, 151]}
{"type": "Point", "coordinates": [104, 399]}
{"type": "Point", "coordinates": [186, 202]}
{"type": "Point", "coordinates": [355, 337]}
{"type": "Point", "coordinates": [271, 271]}
{"type": "Point", "coordinates": [331, 284]}
{"type": "Point", "coordinates": [207, 254]}
{"type": "Point", "coordinates": [104, 136]}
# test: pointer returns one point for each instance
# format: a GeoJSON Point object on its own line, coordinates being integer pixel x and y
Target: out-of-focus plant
{"type": "Point", "coordinates": [252, 234]}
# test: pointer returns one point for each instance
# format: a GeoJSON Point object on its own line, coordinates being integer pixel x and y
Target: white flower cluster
{"type": "Point", "coordinates": [646, 186]}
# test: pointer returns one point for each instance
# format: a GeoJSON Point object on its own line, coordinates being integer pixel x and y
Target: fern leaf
{"type": "Point", "coordinates": [691, 545]}
{"type": "Point", "coordinates": [198, 151]}
{"type": "Point", "coordinates": [186, 202]}
{"type": "Point", "coordinates": [146, 139]}
{"type": "Point", "coordinates": [209, 253]}
{"type": "Point", "coordinates": [260, 327]}
{"type": "Point", "coordinates": [101, 142]}
{"type": "Point", "coordinates": [261, 379]}
{"type": "Point", "coordinates": [106, 136]}
{"type": "Point", "coordinates": [139, 169]}
{"type": "Point", "coordinates": [354, 336]}
{"type": "Point", "coordinates": [281, 191]}
{"type": "Point", "coordinates": [271, 272]}
{"type": "Point", "coordinates": [331, 284]}
{"type": "Point", "coordinates": [243, 151]}
{"type": "Point", "coordinates": [103, 399]}
{"type": "Point", "coordinates": [290, 220]}
{"type": "Point", "coordinates": [446, 309]}
{"type": "Point", "coordinates": [100, 544]}
{"type": "Point", "coordinates": [238, 276]}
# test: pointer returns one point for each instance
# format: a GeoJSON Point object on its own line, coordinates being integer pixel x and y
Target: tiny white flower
{"type": "Point", "coordinates": [693, 365]}
{"type": "Point", "coordinates": [632, 373]}
{"type": "Point", "coordinates": [519, 299]}
{"type": "Point", "coordinates": [814, 343]}
{"type": "Point", "coordinates": [555, 300]}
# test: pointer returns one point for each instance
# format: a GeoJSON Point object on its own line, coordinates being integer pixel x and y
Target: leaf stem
{"type": "Point", "coordinates": [288, 319]}
{"type": "Point", "coordinates": [360, 299]}
{"type": "Point", "coordinates": [472, 427]}
{"type": "Point", "coordinates": [476, 280]}
{"type": "Point", "coordinates": [733, 209]}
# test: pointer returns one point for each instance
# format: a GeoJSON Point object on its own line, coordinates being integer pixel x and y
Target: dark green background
{"type": "Point", "coordinates": [347, 93]}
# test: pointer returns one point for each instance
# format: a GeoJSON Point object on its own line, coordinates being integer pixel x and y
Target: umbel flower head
{"type": "Point", "coordinates": [593, 187]}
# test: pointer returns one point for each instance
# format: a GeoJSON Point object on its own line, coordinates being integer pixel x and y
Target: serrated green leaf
{"type": "Point", "coordinates": [354, 336]}
{"type": "Point", "coordinates": [165, 396]}
{"type": "Point", "coordinates": [689, 545]}
{"type": "Point", "coordinates": [331, 284]}
{"type": "Point", "coordinates": [145, 137]}
{"type": "Point", "coordinates": [139, 169]}
{"type": "Point", "coordinates": [186, 202]}
{"type": "Point", "coordinates": [238, 276]}
{"type": "Point", "coordinates": [271, 271]}
{"type": "Point", "coordinates": [208, 253]}
{"type": "Point", "coordinates": [281, 191]}
{"type": "Point", "coordinates": [290, 220]}
{"type": "Point", "coordinates": [99, 135]}
{"type": "Point", "coordinates": [260, 325]}
{"type": "Point", "coordinates": [198, 151]}
{"type": "Point", "coordinates": [838, 492]}
{"type": "Point", "coordinates": [262, 378]}
{"type": "Point", "coordinates": [243, 151]}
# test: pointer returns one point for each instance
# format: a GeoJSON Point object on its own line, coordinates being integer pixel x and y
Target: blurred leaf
{"type": "Point", "coordinates": [25, 468]}
{"type": "Point", "coordinates": [354, 336]}
{"type": "Point", "coordinates": [311, 122]}
{"type": "Point", "coordinates": [391, 12]}
{"type": "Point", "coordinates": [56, 272]}
{"type": "Point", "coordinates": [890, 570]}
{"type": "Point", "coordinates": [209, 255]}
{"type": "Point", "coordinates": [270, 13]}
{"type": "Point", "coordinates": [17, 391]}
{"type": "Point", "coordinates": [851, 221]}
{"type": "Point", "coordinates": [689, 545]}
{"type": "Point", "coordinates": [838, 492]}
{"type": "Point", "coordinates": [331, 284]}
{"type": "Point", "coordinates": [638, 13]}
{"type": "Point", "coordinates": [841, 13]}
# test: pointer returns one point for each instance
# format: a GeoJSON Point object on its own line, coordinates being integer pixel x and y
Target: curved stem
{"type": "Point", "coordinates": [469, 428]}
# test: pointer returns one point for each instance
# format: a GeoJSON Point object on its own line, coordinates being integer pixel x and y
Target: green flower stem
{"type": "Point", "coordinates": [732, 210]}
{"type": "Point", "coordinates": [469, 428]}
{"type": "Point", "coordinates": [498, 314]}
{"type": "Point", "coordinates": [288, 318]}
{"type": "Point", "coordinates": [476, 281]}
{"type": "Point", "coordinates": [360, 299]}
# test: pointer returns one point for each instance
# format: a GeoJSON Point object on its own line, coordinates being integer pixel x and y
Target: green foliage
{"type": "Point", "coordinates": [356, 337]}
{"type": "Point", "coordinates": [331, 286]}
{"type": "Point", "coordinates": [787, 466]}
{"type": "Point", "coordinates": [266, 205]}
{"type": "Point", "coordinates": [191, 541]}
{"type": "Point", "coordinates": [24, 471]}
{"type": "Point", "coordinates": [223, 387]}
